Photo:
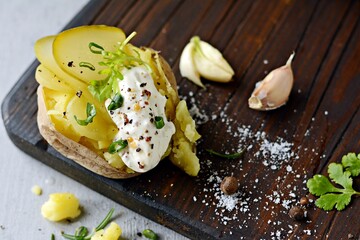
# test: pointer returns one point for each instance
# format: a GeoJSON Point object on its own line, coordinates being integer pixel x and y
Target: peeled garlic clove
{"type": "Point", "coordinates": [213, 55]}
{"type": "Point", "coordinates": [210, 62]}
{"type": "Point", "coordinates": [211, 71]}
{"type": "Point", "coordinates": [187, 66]}
{"type": "Point", "coordinates": [274, 90]}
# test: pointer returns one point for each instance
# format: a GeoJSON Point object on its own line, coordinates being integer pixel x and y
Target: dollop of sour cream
{"type": "Point", "coordinates": [135, 120]}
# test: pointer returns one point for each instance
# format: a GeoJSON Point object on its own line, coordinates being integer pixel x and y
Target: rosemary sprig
{"type": "Point", "coordinates": [227, 156]}
{"type": "Point", "coordinates": [81, 233]}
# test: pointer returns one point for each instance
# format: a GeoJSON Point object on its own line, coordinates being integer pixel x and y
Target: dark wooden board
{"type": "Point", "coordinates": [321, 120]}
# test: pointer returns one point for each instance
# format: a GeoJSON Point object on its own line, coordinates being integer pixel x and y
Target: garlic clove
{"type": "Point", "coordinates": [211, 71]}
{"type": "Point", "coordinates": [210, 62]}
{"type": "Point", "coordinates": [187, 65]}
{"type": "Point", "coordinates": [274, 90]}
{"type": "Point", "coordinates": [213, 54]}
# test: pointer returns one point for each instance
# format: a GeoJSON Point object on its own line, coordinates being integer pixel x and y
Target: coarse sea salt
{"type": "Point", "coordinates": [273, 152]}
{"type": "Point", "coordinates": [199, 116]}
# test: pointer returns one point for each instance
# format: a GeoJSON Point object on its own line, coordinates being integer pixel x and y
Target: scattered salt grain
{"type": "Point", "coordinates": [275, 153]}
{"type": "Point", "coordinates": [197, 115]}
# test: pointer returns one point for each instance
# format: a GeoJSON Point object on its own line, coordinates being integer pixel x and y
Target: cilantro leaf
{"type": "Point", "coordinates": [330, 195]}
{"type": "Point", "coordinates": [337, 174]}
{"type": "Point", "coordinates": [351, 162]}
{"type": "Point", "coordinates": [328, 201]}
{"type": "Point", "coordinates": [320, 185]}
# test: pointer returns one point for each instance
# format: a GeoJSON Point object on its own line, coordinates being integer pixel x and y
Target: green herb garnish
{"type": "Point", "coordinates": [351, 163]}
{"type": "Point", "coordinates": [150, 234]}
{"type": "Point", "coordinates": [81, 233]}
{"type": "Point", "coordinates": [52, 236]}
{"type": "Point", "coordinates": [93, 46]}
{"type": "Point", "coordinates": [116, 102]}
{"type": "Point", "coordinates": [117, 146]}
{"type": "Point", "coordinates": [228, 156]}
{"type": "Point", "coordinates": [90, 114]}
{"type": "Point", "coordinates": [114, 63]}
{"type": "Point", "coordinates": [159, 122]}
{"type": "Point", "coordinates": [87, 65]}
{"type": "Point", "coordinates": [102, 89]}
{"type": "Point", "coordinates": [106, 220]}
{"type": "Point", "coordinates": [330, 195]}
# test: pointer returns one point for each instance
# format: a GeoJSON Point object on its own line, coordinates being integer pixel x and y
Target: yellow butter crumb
{"type": "Point", "coordinates": [36, 190]}
{"type": "Point", "coordinates": [60, 206]}
{"type": "Point", "coordinates": [113, 232]}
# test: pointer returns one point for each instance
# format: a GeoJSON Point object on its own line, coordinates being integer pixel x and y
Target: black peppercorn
{"type": "Point", "coordinates": [229, 185]}
{"type": "Point", "coordinates": [296, 213]}
{"type": "Point", "coordinates": [304, 201]}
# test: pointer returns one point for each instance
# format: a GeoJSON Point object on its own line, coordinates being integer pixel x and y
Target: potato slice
{"type": "Point", "coordinates": [61, 99]}
{"type": "Point", "coordinates": [71, 48]}
{"type": "Point", "coordinates": [100, 129]}
{"type": "Point", "coordinates": [44, 53]}
{"type": "Point", "coordinates": [48, 79]}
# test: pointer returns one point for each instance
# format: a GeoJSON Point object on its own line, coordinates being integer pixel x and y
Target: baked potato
{"type": "Point", "coordinates": [110, 106]}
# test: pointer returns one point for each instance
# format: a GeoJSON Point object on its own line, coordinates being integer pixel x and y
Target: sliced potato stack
{"type": "Point", "coordinates": [65, 83]}
{"type": "Point", "coordinates": [66, 69]}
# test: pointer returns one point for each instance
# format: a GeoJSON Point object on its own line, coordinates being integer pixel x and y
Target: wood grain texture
{"type": "Point", "coordinates": [321, 119]}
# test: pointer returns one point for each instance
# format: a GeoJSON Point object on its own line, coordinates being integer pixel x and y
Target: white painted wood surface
{"type": "Point", "coordinates": [23, 22]}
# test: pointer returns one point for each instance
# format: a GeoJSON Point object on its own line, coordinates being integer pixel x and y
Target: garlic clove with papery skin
{"type": "Point", "coordinates": [187, 65]}
{"type": "Point", "coordinates": [274, 90]}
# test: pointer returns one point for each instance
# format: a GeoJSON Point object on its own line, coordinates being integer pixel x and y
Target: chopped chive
{"type": "Point", "coordinates": [117, 146]}
{"type": "Point", "coordinates": [159, 122]}
{"type": "Point", "coordinates": [52, 236]}
{"type": "Point", "coordinates": [90, 114]}
{"type": "Point", "coordinates": [150, 234]}
{"type": "Point", "coordinates": [116, 102]}
{"type": "Point", "coordinates": [93, 45]}
{"type": "Point", "coordinates": [87, 65]}
{"type": "Point", "coordinates": [228, 156]}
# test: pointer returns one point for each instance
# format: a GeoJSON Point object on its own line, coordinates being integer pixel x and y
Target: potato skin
{"type": "Point", "coordinates": [77, 152]}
